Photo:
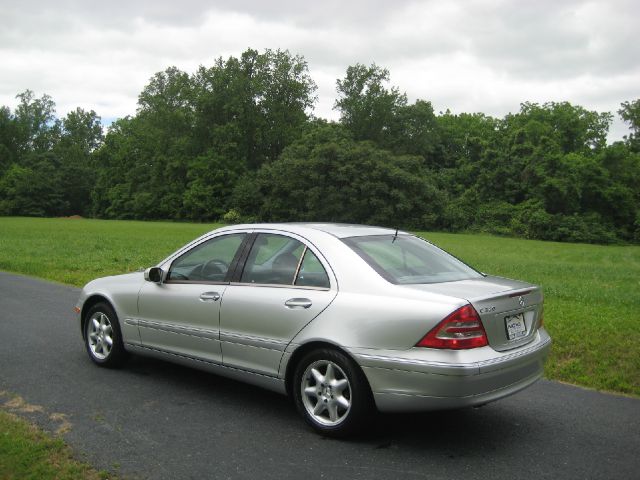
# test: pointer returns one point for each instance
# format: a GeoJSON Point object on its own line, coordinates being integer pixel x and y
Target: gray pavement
{"type": "Point", "coordinates": [157, 420]}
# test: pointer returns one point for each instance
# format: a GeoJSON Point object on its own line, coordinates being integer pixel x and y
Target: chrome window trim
{"type": "Point", "coordinates": [278, 285]}
{"type": "Point", "coordinates": [300, 260]}
{"type": "Point", "coordinates": [166, 263]}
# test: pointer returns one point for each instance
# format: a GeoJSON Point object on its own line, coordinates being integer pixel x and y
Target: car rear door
{"type": "Point", "coordinates": [281, 286]}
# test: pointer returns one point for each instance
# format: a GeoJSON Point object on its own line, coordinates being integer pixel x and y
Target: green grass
{"type": "Point", "coordinates": [74, 251]}
{"type": "Point", "coordinates": [592, 292]}
{"type": "Point", "coordinates": [28, 453]}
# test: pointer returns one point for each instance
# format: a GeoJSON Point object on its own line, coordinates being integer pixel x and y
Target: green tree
{"type": "Point", "coordinates": [630, 113]}
{"type": "Point", "coordinates": [327, 176]}
{"type": "Point", "coordinates": [36, 124]}
{"type": "Point", "coordinates": [8, 139]}
{"type": "Point", "coordinates": [33, 188]}
{"type": "Point", "coordinates": [367, 107]}
{"type": "Point", "coordinates": [143, 162]}
{"type": "Point", "coordinates": [262, 99]}
{"type": "Point", "coordinates": [573, 129]}
{"type": "Point", "coordinates": [81, 134]}
{"type": "Point", "coordinates": [415, 131]}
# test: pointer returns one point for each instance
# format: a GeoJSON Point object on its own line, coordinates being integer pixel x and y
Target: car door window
{"type": "Point", "coordinates": [274, 260]}
{"type": "Point", "coordinates": [311, 272]}
{"type": "Point", "coordinates": [207, 262]}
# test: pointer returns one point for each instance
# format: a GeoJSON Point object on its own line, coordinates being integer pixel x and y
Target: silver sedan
{"type": "Point", "coordinates": [346, 319]}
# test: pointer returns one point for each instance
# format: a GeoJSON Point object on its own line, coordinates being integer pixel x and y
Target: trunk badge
{"type": "Point", "coordinates": [488, 309]}
{"type": "Point", "coordinates": [521, 301]}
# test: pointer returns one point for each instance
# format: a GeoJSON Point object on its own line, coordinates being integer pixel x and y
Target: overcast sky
{"type": "Point", "coordinates": [465, 55]}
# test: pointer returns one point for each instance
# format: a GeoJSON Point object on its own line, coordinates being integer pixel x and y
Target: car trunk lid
{"type": "Point", "coordinates": [510, 310]}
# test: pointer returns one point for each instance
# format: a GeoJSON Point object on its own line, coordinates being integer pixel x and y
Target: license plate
{"type": "Point", "coordinates": [515, 325]}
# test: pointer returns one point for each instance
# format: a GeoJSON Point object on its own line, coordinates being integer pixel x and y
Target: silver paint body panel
{"type": "Point", "coordinates": [248, 333]}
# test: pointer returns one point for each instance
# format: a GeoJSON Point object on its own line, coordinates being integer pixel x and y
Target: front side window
{"type": "Point", "coordinates": [280, 260]}
{"type": "Point", "coordinates": [208, 262]}
{"type": "Point", "coordinates": [405, 259]}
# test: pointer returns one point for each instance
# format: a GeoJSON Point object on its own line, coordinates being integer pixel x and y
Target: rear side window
{"type": "Point", "coordinates": [405, 259]}
{"type": "Point", "coordinates": [281, 260]}
{"type": "Point", "coordinates": [312, 273]}
{"type": "Point", "coordinates": [273, 259]}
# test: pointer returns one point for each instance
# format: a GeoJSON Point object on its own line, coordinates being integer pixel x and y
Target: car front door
{"type": "Point", "coordinates": [182, 314]}
{"type": "Point", "coordinates": [282, 287]}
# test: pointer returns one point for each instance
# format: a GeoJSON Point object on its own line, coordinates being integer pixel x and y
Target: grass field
{"type": "Point", "coordinates": [29, 453]}
{"type": "Point", "coordinates": [592, 293]}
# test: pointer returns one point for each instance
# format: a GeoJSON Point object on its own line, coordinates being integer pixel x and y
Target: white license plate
{"type": "Point", "coordinates": [515, 325]}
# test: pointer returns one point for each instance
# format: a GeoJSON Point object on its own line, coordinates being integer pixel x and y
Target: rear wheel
{"type": "Point", "coordinates": [331, 393]}
{"type": "Point", "coordinates": [102, 336]}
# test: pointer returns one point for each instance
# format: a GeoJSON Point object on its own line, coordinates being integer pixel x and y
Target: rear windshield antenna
{"type": "Point", "coordinates": [395, 236]}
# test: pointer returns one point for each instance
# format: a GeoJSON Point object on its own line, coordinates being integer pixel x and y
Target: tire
{"type": "Point", "coordinates": [102, 336]}
{"type": "Point", "coordinates": [332, 394]}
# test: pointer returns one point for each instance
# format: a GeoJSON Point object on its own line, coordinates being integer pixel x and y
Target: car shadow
{"type": "Point", "coordinates": [483, 430]}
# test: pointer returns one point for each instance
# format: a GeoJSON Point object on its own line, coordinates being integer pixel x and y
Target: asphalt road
{"type": "Point", "coordinates": [156, 420]}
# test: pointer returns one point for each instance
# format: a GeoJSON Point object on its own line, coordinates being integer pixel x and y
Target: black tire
{"type": "Point", "coordinates": [98, 335]}
{"type": "Point", "coordinates": [332, 395]}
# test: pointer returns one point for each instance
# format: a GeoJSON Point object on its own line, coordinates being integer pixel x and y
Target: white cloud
{"type": "Point", "coordinates": [474, 55]}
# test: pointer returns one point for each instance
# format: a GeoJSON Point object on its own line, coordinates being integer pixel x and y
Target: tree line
{"type": "Point", "coordinates": [238, 141]}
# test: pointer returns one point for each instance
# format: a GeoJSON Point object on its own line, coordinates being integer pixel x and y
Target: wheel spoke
{"type": "Point", "coordinates": [319, 408]}
{"type": "Point", "coordinates": [333, 411]}
{"type": "Point", "coordinates": [343, 402]}
{"type": "Point", "coordinates": [96, 324]}
{"type": "Point", "coordinates": [311, 391]}
{"type": "Point", "coordinates": [318, 377]}
{"type": "Point", "coordinates": [108, 341]}
{"type": "Point", "coordinates": [329, 375]}
{"type": "Point", "coordinates": [340, 385]}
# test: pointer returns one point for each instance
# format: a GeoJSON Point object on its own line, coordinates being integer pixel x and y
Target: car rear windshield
{"type": "Point", "coordinates": [405, 259]}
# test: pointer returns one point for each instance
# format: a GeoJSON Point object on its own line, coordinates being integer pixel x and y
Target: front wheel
{"type": "Point", "coordinates": [102, 336]}
{"type": "Point", "coordinates": [331, 393]}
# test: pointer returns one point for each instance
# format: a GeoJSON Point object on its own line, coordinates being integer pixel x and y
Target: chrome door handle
{"type": "Point", "coordinates": [298, 302]}
{"type": "Point", "coordinates": [215, 296]}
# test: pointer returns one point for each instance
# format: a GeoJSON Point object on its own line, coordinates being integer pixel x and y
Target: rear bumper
{"type": "Point", "coordinates": [423, 379]}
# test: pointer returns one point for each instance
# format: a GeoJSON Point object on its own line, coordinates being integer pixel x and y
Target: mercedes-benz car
{"type": "Point", "coordinates": [346, 319]}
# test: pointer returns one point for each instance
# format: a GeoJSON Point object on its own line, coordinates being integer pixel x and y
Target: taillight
{"type": "Point", "coordinates": [462, 329]}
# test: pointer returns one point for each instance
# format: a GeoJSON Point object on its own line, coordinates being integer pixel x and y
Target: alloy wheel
{"type": "Point", "coordinates": [100, 335]}
{"type": "Point", "coordinates": [326, 392]}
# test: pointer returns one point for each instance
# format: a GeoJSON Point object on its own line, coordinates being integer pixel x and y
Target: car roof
{"type": "Point", "coordinates": [339, 230]}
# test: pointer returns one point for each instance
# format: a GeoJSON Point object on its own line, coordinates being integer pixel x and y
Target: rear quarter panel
{"type": "Point", "coordinates": [385, 322]}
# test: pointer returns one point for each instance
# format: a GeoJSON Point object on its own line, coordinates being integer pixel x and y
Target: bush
{"type": "Point", "coordinates": [231, 217]}
{"type": "Point", "coordinates": [494, 217]}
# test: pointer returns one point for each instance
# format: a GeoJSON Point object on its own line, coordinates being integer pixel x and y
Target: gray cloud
{"type": "Point", "coordinates": [466, 55]}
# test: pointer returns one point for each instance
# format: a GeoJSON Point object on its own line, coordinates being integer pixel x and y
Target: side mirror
{"type": "Point", "coordinates": [153, 274]}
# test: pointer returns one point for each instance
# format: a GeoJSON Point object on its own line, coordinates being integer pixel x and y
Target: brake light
{"type": "Point", "coordinates": [462, 329]}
